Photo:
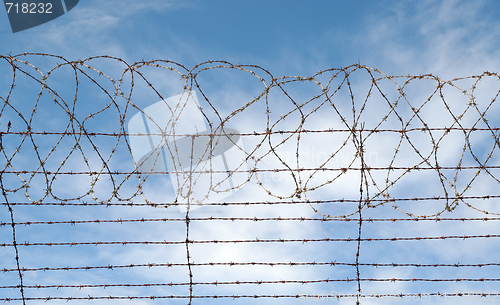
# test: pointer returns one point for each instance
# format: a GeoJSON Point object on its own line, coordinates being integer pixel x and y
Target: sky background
{"type": "Point", "coordinates": [287, 38]}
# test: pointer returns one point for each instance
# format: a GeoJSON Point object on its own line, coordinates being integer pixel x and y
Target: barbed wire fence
{"type": "Point", "coordinates": [455, 154]}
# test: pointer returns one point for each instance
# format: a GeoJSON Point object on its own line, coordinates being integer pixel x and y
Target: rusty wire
{"type": "Point", "coordinates": [254, 219]}
{"type": "Point", "coordinates": [190, 76]}
{"type": "Point", "coordinates": [373, 192]}
{"type": "Point", "coordinates": [316, 297]}
{"type": "Point", "coordinates": [216, 283]}
{"type": "Point", "coordinates": [271, 264]}
{"type": "Point", "coordinates": [239, 241]}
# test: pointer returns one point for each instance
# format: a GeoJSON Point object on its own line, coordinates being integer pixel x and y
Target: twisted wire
{"type": "Point", "coordinates": [82, 145]}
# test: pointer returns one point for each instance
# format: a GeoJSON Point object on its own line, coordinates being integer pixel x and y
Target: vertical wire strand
{"type": "Point", "coordinates": [360, 207]}
{"type": "Point", "coordinates": [13, 225]}
{"type": "Point", "coordinates": [188, 222]}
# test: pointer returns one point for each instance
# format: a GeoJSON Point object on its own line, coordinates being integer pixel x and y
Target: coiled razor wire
{"type": "Point", "coordinates": [373, 191]}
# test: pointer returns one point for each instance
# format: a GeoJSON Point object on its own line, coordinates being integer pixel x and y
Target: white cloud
{"type": "Point", "coordinates": [451, 39]}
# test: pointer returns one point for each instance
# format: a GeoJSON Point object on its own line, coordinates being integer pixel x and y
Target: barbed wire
{"type": "Point", "coordinates": [254, 219]}
{"type": "Point", "coordinates": [271, 264]}
{"type": "Point", "coordinates": [248, 203]}
{"type": "Point", "coordinates": [257, 240]}
{"type": "Point", "coordinates": [190, 79]}
{"type": "Point", "coordinates": [318, 297]}
{"type": "Point", "coordinates": [158, 144]}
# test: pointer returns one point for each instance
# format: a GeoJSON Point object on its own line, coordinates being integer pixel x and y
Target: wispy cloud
{"type": "Point", "coordinates": [452, 38]}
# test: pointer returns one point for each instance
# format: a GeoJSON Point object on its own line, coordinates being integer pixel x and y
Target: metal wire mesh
{"type": "Point", "coordinates": [421, 157]}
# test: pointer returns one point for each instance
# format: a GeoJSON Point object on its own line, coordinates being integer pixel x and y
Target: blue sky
{"type": "Point", "coordinates": [288, 38]}
{"type": "Point", "coordinates": [291, 36]}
